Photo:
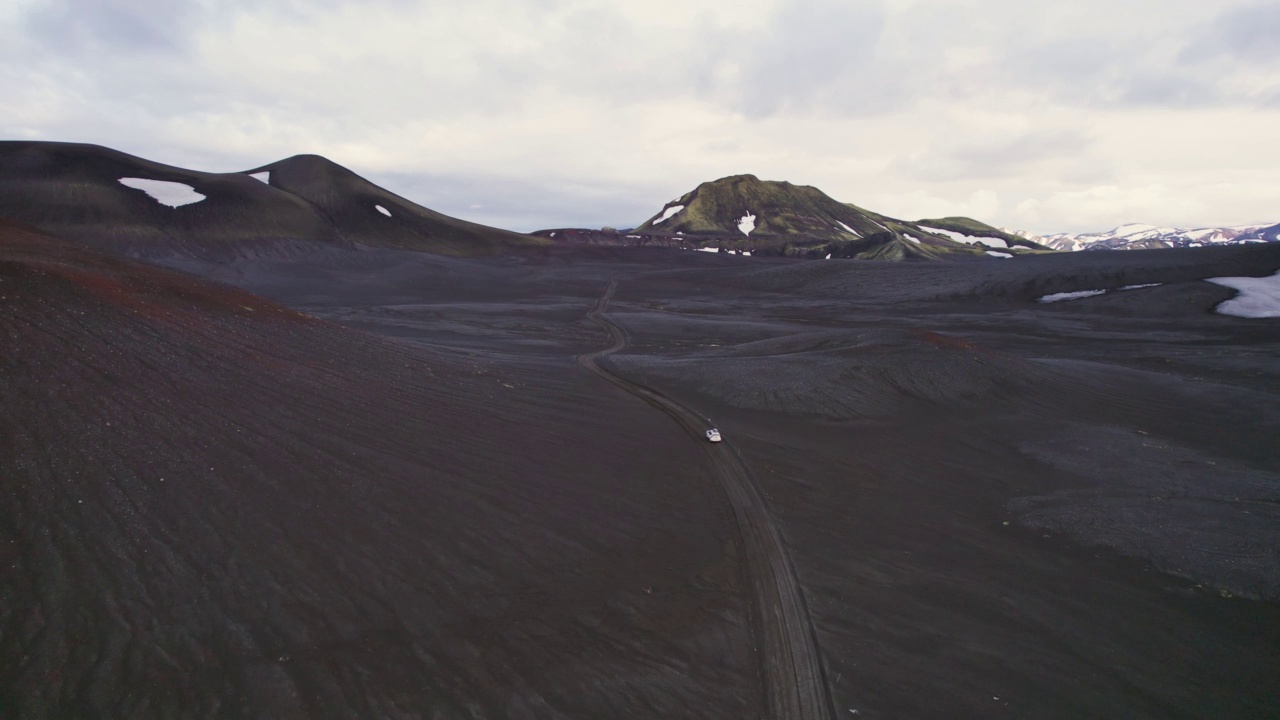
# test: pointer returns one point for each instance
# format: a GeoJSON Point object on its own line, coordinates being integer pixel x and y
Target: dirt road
{"type": "Point", "coordinates": [795, 687]}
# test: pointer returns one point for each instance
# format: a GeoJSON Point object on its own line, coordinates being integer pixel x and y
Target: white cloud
{"type": "Point", "coordinates": [568, 112]}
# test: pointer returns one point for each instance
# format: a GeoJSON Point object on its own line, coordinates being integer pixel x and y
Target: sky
{"type": "Point", "coordinates": [528, 114]}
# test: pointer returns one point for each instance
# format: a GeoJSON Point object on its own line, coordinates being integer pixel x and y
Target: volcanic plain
{"type": "Point", "coordinates": [345, 482]}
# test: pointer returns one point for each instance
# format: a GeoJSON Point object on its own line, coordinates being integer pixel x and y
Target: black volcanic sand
{"type": "Point", "coordinates": [999, 507]}
{"type": "Point", "coordinates": [995, 507]}
{"type": "Point", "coordinates": [217, 507]}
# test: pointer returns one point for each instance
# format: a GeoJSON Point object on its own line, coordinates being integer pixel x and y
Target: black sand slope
{"type": "Point", "coordinates": [999, 507]}
{"type": "Point", "coordinates": [216, 507]}
{"type": "Point", "coordinates": [350, 202]}
{"type": "Point", "coordinates": [992, 507]}
{"type": "Point", "coordinates": [73, 191]}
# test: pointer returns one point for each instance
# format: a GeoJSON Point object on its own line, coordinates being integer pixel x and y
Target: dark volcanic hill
{"type": "Point", "coordinates": [778, 218]}
{"type": "Point", "coordinates": [370, 215]}
{"type": "Point", "coordinates": [75, 191]}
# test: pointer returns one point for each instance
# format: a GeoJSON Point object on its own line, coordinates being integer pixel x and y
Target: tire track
{"type": "Point", "coordinates": [794, 685]}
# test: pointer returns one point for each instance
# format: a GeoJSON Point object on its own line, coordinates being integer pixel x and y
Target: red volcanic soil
{"type": "Point", "coordinates": [213, 506]}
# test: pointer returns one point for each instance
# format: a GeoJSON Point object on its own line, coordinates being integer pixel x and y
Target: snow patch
{"type": "Point", "coordinates": [1025, 235]}
{"type": "Point", "coordinates": [747, 223]}
{"type": "Point", "coordinates": [666, 214]}
{"type": "Point", "coordinates": [1140, 230]}
{"type": "Point", "coordinates": [914, 240]}
{"type": "Point", "coordinates": [1055, 297]}
{"type": "Point", "coordinates": [1257, 298]}
{"type": "Point", "coordinates": [264, 176]}
{"type": "Point", "coordinates": [848, 229]}
{"type": "Point", "coordinates": [1135, 235]}
{"type": "Point", "coordinates": [1090, 293]}
{"type": "Point", "coordinates": [173, 194]}
{"type": "Point", "coordinates": [968, 239]}
{"type": "Point", "coordinates": [993, 253]}
{"type": "Point", "coordinates": [739, 253]}
{"type": "Point", "coordinates": [382, 210]}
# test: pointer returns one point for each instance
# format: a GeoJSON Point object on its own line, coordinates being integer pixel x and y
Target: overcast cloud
{"type": "Point", "coordinates": [526, 114]}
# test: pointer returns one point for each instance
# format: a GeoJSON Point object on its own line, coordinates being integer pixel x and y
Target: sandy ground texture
{"type": "Point", "coordinates": [992, 507]}
{"type": "Point", "coordinates": [217, 507]}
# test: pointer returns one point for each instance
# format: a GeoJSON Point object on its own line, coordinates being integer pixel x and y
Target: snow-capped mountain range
{"type": "Point", "coordinates": [1136, 236]}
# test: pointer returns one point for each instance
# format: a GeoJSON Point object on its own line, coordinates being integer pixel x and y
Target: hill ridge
{"type": "Point", "coordinates": [770, 217]}
{"type": "Point", "coordinates": [73, 190]}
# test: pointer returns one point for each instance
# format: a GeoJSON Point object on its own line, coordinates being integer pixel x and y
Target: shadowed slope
{"type": "Point", "coordinates": [351, 203]}
{"type": "Point", "coordinates": [74, 191]}
{"type": "Point", "coordinates": [214, 506]}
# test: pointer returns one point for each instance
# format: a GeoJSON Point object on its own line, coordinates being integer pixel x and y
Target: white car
{"type": "Point", "coordinates": [713, 435]}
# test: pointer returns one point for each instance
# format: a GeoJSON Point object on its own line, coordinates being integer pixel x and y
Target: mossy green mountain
{"type": "Point", "coordinates": [979, 229]}
{"type": "Point", "coordinates": [743, 212]}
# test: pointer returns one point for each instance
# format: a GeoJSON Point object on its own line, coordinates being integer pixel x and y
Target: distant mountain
{"type": "Point", "coordinates": [1136, 236]}
{"type": "Point", "coordinates": [110, 199]}
{"type": "Point", "coordinates": [745, 213]}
